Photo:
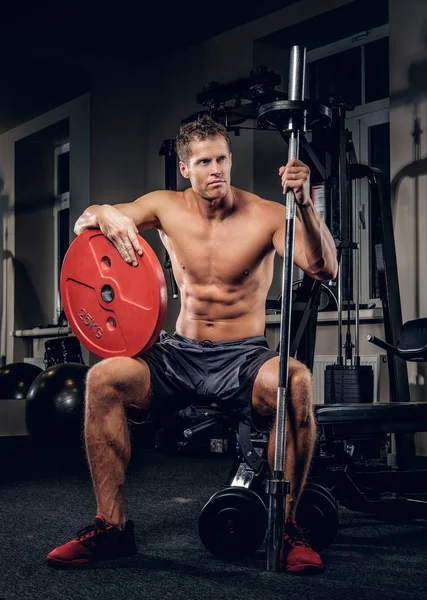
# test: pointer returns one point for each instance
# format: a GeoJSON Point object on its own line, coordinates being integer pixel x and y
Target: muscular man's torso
{"type": "Point", "coordinates": [223, 268]}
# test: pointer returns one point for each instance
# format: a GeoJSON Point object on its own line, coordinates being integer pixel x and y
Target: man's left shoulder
{"type": "Point", "coordinates": [270, 213]}
{"type": "Point", "coordinates": [271, 208]}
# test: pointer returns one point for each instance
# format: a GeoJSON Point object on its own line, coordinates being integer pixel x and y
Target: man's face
{"type": "Point", "coordinates": [208, 167]}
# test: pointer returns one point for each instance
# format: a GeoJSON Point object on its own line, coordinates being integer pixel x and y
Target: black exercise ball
{"type": "Point", "coordinates": [15, 380]}
{"type": "Point", "coordinates": [55, 405]}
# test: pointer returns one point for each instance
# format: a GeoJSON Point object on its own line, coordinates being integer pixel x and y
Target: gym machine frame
{"type": "Point", "coordinates": [342, 463]}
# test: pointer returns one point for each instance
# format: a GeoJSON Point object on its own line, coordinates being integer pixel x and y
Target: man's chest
{"type": "Point", "coordinates": [230, 251]}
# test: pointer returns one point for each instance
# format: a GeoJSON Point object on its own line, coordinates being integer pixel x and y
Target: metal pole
{"type": "Point", "coordinates": [344, 233]}
{"type": "Point", "coordinates": [277, 487]}
{"type": "Point", "coordinates": [357, 282]}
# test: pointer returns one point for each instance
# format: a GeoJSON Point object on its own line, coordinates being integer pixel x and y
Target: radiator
{"type": "Point", "coordinates": [320, 362]}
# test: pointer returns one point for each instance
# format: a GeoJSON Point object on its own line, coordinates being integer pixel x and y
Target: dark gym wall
{"type": "Point", "coordinates": [35, 78]}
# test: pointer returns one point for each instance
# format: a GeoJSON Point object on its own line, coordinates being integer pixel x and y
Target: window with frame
{"type": "Point", "coordinates": [61, 217]}
{"type": "Point", "coordinates": [357, 69]}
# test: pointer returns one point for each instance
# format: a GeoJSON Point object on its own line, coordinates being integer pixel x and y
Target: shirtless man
{"type": "Point", "coordinates": [222, 242]}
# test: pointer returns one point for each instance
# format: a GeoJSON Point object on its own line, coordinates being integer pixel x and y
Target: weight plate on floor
{"type": "Point", "coordinates": [113, 308]}
{"type": "Point", "coordinates": [233, 523]}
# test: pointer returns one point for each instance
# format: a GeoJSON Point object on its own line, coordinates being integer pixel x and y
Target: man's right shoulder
{"type": "Point", "coordinates": [156, 202]}
{"type": "Point", "coordinates": [160, 196]}
{"type": "Point", "coordinates": [154, 208]}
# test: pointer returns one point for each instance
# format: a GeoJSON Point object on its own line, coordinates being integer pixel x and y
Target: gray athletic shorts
{"type": "Point", "coordinates": [187, 372]}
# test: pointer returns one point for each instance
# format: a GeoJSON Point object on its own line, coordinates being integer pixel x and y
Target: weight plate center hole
{"type": "Point", "coordinates": [107, 293]}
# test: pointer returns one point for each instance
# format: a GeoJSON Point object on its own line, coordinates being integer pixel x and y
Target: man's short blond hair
{"type": "Point", "coordinates": [201, 129]}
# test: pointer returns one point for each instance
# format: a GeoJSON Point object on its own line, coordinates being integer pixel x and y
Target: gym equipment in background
{"type": "Point", "coordinates": [62, 350]}
{"type": "Point", "coordinates": [55, 405]}
{"type": "Point", "coordinates": [389, 291]}
{"type": "Point", "coordinates": [411, 342]}
{"type": "Point", "coordinates": [15, 380]}
{"type": "Point", "coordinates": [347, 381]}
{"type": "Point", "coordinates": [356, 460]}
{"type": "Point", "coordinates": [113, 308]}
{"type": "Point", "coordinates": [355, 455]}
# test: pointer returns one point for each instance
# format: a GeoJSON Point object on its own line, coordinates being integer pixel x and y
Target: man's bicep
{"type": "Point", "coordinates": [279, 221]}
{"type": "Point", "coordinates": [279, 239]}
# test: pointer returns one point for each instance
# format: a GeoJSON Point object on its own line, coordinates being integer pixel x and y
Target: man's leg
{"type": "Point", "coordinates": [300, 424]}
{"type": "Point", "coordinates": [111, 386]}
{"type": "Point", "coordinates": [298, 556]}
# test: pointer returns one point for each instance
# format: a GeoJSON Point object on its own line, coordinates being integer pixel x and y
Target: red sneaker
{"type": "Point", "coordinates": [297, 555]}
{"type": "Point", "coordinates": [95, 542]}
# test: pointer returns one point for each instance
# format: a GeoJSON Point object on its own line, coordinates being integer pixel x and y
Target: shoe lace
{"type": "Point", "coordinates": [90, 530]}
{"type": "Point", "coordinates": [294, 535]}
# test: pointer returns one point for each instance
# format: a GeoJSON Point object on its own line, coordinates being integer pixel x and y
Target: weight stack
{"type": "Point", "coordinates": [349, 384]}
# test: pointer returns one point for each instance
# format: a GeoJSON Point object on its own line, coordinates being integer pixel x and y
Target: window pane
{"type": "Point", "coordinates": [63, 166]}
{"type": "Point", "coordinates": [379, 156]}
{"type": "Point", "coordinates": [337, 75]}
{"type": "Point", "coordinates": [376, 70]}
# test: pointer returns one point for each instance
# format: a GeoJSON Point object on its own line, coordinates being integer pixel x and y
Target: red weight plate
{"type": "Point", "coordinates": [113, 308]}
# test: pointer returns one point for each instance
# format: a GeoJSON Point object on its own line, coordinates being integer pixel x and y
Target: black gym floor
{"type": "Point", "coordinates": [46, 497]}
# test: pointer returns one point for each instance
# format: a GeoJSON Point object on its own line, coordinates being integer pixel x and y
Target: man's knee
{"type": "Point", "coordinates": [118, 379]}
{"type": "Point", "coordinates": [300, 396]}
{"type": "Point", "coordinates": [104, 374]}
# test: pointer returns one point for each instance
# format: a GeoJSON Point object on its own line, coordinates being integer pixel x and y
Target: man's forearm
{"type": "Point", "coordinates": [319, 245]}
